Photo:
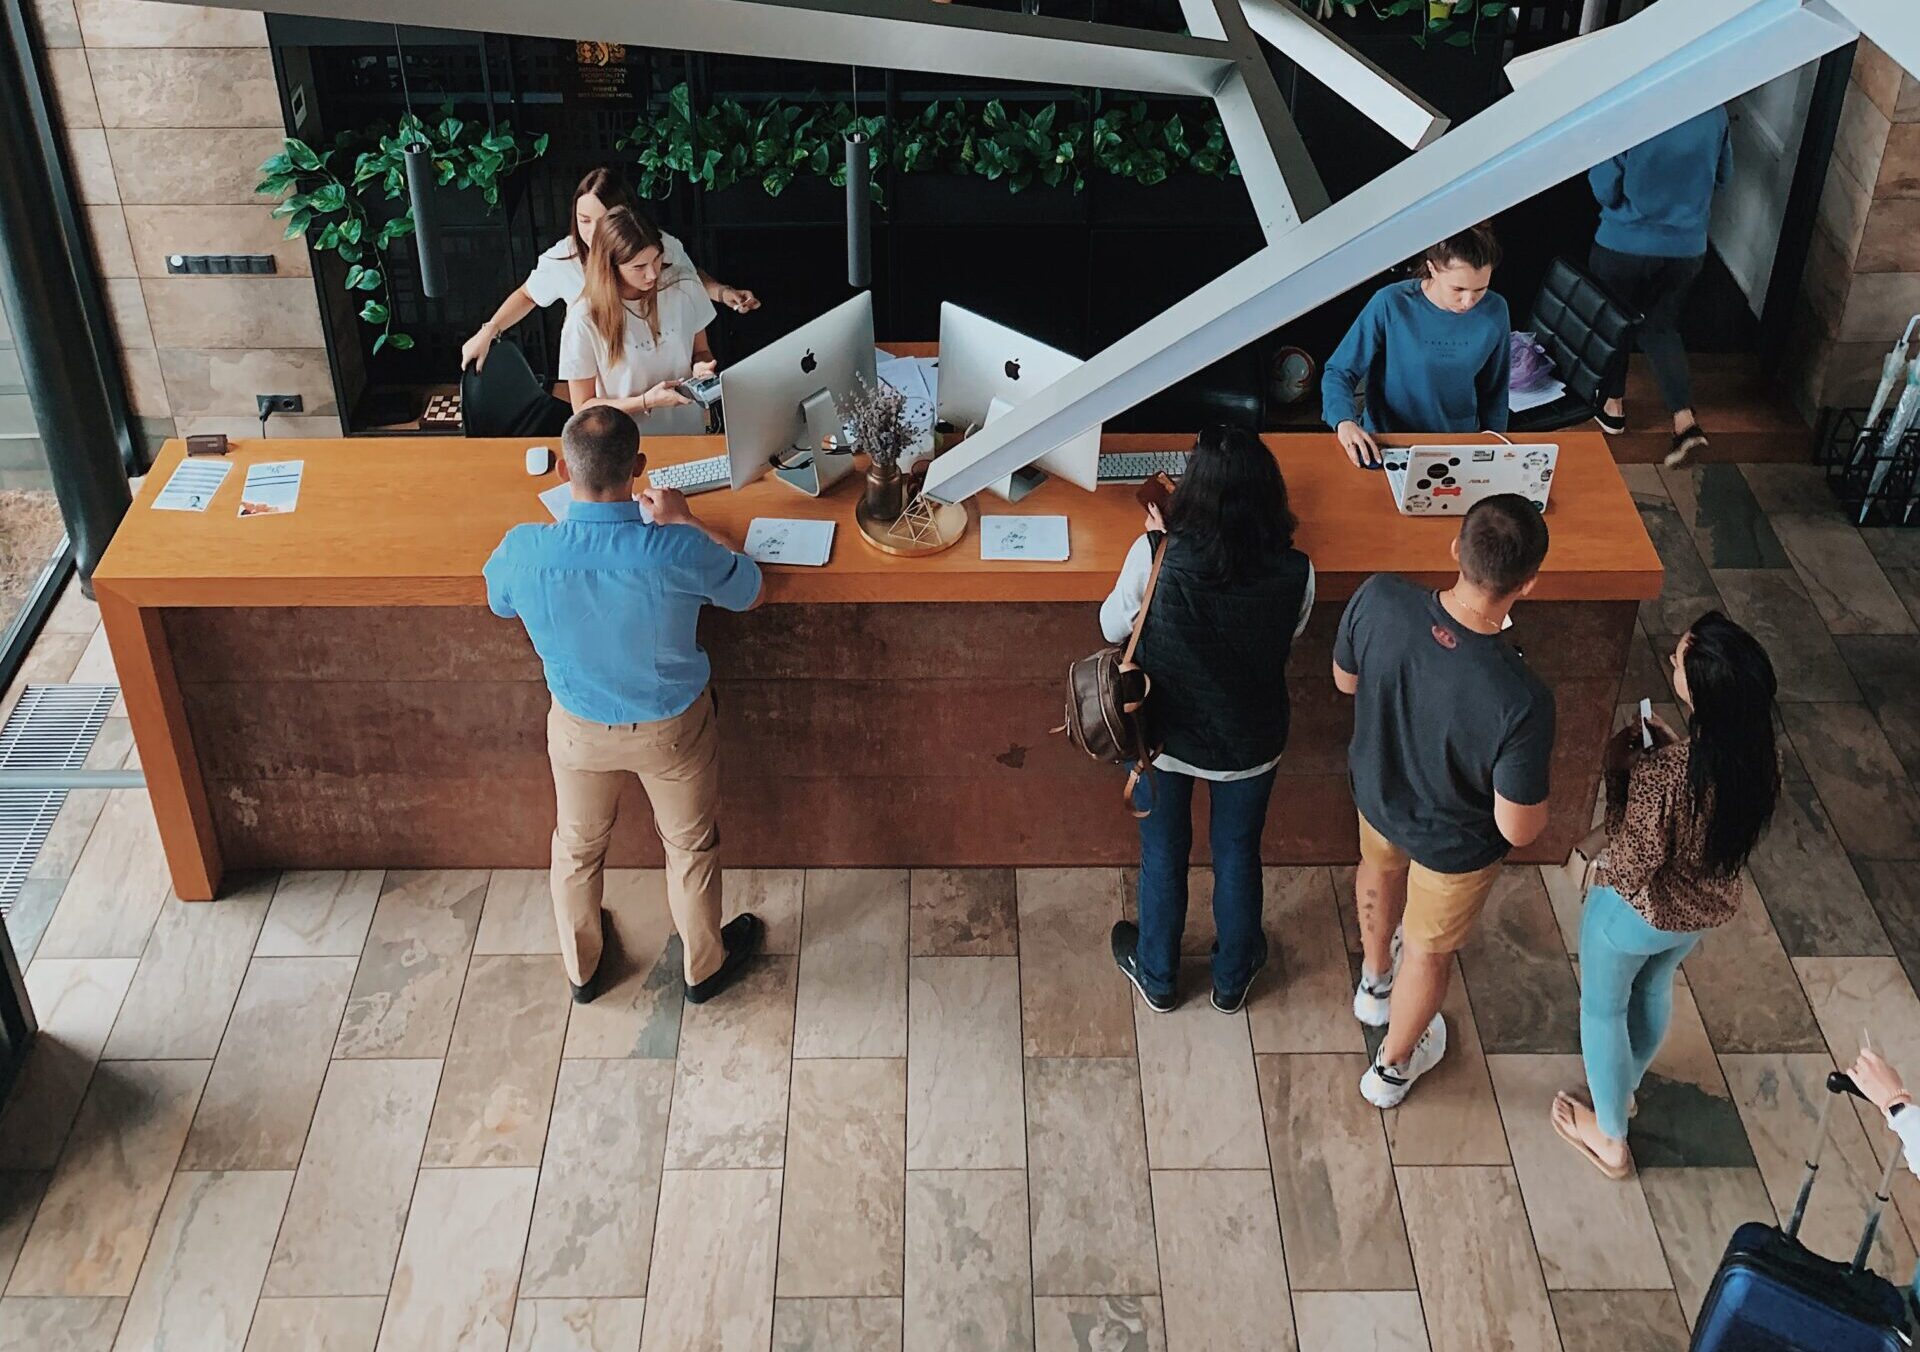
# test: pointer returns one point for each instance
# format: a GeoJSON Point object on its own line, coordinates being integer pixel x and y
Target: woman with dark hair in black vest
{"type": "Point", "coordinates": [1233, 594]}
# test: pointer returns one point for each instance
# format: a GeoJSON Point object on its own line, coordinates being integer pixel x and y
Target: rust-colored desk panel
{"type": "Point", "coordinates": [326, 689]}
{"type": "Point", "coordinates": [938, 761]}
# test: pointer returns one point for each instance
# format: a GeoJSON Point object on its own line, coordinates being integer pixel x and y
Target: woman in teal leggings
{"type": "Point", "coordinates": [1682, 816]}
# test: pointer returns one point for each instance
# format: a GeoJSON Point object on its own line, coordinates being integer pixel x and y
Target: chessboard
{"type": "Point", "coordinates": [442, 414]}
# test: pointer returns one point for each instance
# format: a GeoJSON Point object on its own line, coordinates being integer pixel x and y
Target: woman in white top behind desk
{"type": "Point", "coordinates": [560, 274]}
{"type": "Point", "coordinates": [639, 331]}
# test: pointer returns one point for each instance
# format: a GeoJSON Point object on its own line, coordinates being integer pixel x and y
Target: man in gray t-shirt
{"type": "Point", "coordinates": [1452, 739]}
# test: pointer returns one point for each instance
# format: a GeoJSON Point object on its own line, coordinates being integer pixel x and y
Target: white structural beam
{"type": "Point", "coordinates": [1530, 66]}
{"type": "Point", "coordinates": [901, 34]}
{"type": "Point", "coordinates": [1310, 45]}
{"type": "Point", "coordinates": [1667, 64]}
{"type": "Point", "coordinates": [1893, 25]}
{"type": "Point", "coordinates": [1282, 182]}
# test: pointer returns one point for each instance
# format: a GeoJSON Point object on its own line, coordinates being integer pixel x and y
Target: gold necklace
{"type": "Point", "coordinates": [1474, 611]}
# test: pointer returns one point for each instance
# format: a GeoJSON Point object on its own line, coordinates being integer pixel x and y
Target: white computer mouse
{"type": "Point", "coordinates": [539, 460]}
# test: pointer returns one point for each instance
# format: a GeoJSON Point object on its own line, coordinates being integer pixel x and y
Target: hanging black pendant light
{"type": "Point", "coordinates": [859, 214]}
{"type": "Point", "coordinates": [426, 225]}
{"type": "Point", "coordinates": [859, 199]}
{"type": "Point", "coordinates": [420, 196]}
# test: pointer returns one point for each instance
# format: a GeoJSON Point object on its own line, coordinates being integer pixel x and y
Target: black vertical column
{"type": "Point", "coordinates": [40, 270]}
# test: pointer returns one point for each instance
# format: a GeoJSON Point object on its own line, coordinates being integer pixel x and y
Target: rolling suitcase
{"type": "Point", "coordinates": [1772, 1294]}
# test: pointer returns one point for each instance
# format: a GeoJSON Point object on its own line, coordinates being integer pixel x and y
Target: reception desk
{"type": "Point", "coordinates": [327, 689]}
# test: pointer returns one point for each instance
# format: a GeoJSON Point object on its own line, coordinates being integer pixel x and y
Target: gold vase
{"type": "Point", "coordinates": [886, 495]}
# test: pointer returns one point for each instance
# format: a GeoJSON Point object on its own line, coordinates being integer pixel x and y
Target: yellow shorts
{"type": "Point", "coordinates": [1441, 907]}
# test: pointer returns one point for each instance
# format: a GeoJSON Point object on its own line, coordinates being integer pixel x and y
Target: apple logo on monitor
{"type": "Point", "coordinates": [1013, 369]}
{"type": "Point", "coordinates": [808, 363]}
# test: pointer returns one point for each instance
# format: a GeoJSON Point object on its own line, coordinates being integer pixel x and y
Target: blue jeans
{"type": "Point", "coordinates": [1237, 814]}
{"type": "Point", "coordinates": [1626, 999]}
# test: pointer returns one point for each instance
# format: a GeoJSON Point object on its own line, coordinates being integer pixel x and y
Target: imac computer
{"type": "Point", "coordinates": [780, 402]}
{"type": "Point", "coordinates": [985, 369]}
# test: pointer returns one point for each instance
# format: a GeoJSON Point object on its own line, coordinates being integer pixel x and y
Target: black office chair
{"type": "Point", "coordinates": [1588, 336]}
{"type": "Point", "coordinates": [505, 399]}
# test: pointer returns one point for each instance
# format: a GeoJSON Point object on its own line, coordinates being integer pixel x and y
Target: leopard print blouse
{"type": "Point", "coordinates": [1655, 845]}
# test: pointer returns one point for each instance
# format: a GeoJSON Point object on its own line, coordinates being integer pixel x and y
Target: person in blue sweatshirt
{"type": "Point", "coordinates": [1654, 204]}
{"type": "Point", "coordinates": [1431, 352]}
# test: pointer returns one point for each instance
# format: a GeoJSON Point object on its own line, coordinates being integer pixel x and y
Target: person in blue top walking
{"type": "Point", "coordinates": [1654, 204]}
{"type": "Point", "coordinates": [1431, 352]}
{"type": "Point", "coordinates": [611, 600]}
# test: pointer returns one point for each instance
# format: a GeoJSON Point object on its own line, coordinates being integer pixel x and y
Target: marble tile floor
{"type": "Point", "coordinates": [357, 1113]}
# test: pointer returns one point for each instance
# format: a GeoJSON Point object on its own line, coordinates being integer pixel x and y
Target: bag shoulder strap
{"type": "Point", "coordinates": [1140, 620]}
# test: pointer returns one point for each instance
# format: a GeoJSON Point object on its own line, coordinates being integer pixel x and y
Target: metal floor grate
{"type": "Point", "coordinates": [51, 728]}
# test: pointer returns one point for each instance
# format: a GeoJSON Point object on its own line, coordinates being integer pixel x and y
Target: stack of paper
{"type": "Point", "coordinates": [918, 378]}
{"type": "Point", "coordinates": [1036, 539]}
{"type": "Point", "coordinates": [773, 539]}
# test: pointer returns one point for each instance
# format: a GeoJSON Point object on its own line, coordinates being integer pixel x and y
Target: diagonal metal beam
{"type": "Point", "coordinates": [902, 34]}
{"type": "Point", "coordinates": [1615, 97]}
{"type": "Point", "coordinates": [1281, 179]}
{"type": "Point", "coordinates": [1893, 25]}
{"type": "Point", "coordinates": [1313, 47]}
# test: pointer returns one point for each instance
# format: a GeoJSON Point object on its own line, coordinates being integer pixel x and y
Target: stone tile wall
{"type": "Point", "coordinates": [1863, 267]}
{"type": "Point", "coordinates": [168, 111]}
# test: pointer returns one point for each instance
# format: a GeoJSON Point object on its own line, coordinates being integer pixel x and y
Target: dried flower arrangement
{"type": "Point", "coordinates": [876, 418]}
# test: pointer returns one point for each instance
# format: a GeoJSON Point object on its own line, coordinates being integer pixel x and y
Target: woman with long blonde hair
{"type": "Point", "coordinates": [560, 272]}
{"type": "Point", "coordinates": [638, 331]}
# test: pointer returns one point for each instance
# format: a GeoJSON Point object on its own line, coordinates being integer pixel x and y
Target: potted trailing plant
{"type": "Point", "coordinates": [333, 205]}
{"type": "Point", "coordinates": [876, 419]}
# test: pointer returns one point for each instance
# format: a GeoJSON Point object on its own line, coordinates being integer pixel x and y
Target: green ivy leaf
{"type": "Point", "coordinates": [1493, 9]}
{"type": "Point", "coordinates": [370, 279]}
{"type": "Point", "coordinates": [373, 312]}
{"type": "Point", "coordinates": [302, 155]}
{"type": "Point", "coordinates": [1462, 39]}
{"type": "Point", "coordinates": [329, 197]}
{"type": "Point", "coordinates": [349, 251]}
{"type": "Point", "coordinates": [379, 341]}
{"type": "Point", "coordinates": [401, 340]}
{"type": "Point", "coordinates": [351, 228]}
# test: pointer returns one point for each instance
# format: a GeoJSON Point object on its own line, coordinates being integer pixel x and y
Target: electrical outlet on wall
{"type": "Point", "coordinates": [278, 403]}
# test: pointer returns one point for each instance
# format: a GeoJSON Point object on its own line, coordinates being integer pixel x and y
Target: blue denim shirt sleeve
{"type": "Point", "coordinates": [499, 600]}
{"type": "Point", "coordinates": [726, 579]}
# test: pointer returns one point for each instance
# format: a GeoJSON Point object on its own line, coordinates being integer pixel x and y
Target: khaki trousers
{"type": "Point", "coordinates": [677, 761]}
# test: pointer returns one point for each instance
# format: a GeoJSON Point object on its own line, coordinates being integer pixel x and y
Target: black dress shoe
{"type": "Point", "coordinates": [743, 936]}
{"type": "Point", "coordinates": [1125, 939]}
{"type": "Point", "coordinates": [585, 991]}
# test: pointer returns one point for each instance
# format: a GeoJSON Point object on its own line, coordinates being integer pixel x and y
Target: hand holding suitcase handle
{"type": "Point", "coordinates": [1838, 1083]}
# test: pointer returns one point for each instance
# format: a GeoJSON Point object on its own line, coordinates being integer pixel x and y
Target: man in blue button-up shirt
{"type": "Point", "coordinates": [611, 600]}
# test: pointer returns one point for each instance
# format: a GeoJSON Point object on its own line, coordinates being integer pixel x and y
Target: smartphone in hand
{"type": "Point", "coordinates": [1646, 728]}
{"type": "Point", "coordinates": [1155, 491]}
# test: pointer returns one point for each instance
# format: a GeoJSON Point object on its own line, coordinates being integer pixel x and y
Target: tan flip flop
{"type": "Point", "coordinates": [1618, 1173]}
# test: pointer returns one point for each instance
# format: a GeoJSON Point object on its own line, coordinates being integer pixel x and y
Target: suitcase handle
{"type": "Point", "coordinates": [1839, 1083]}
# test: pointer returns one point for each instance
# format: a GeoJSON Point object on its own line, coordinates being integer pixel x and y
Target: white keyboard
{"type": "Point", "coordinates": [1136, 467]}
{"type": "Point", "coordinates": [695, 476]}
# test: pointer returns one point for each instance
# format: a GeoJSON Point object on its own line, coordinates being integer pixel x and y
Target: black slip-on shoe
{"type": "Point", "coordinates": [1613, 426]}
{"type": "Point", "coordinates": [1233, 1001]}
{"type": "Point", "coordinates": [743, 936]}
{"type": "Point", "coordinates": [1126, 943]}
{"type": "Point", "coordinates": [586, 991]}
{"type": "Point", "coordinates": [1686, 445]}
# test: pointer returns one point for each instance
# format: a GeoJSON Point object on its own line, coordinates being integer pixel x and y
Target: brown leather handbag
{"type": "Point", "coordinates": [1106, 703]}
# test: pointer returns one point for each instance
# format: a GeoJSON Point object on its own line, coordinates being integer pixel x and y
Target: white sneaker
{"type": "Point", "coordinates": [1371, 999]}
{"type": "Point", "coordinates": [1387, 1086]}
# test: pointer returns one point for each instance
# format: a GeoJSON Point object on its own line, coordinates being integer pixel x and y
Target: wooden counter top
{"type": "Point", "coordinates": [410, 521]}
